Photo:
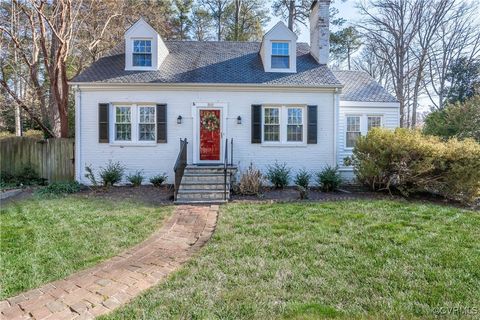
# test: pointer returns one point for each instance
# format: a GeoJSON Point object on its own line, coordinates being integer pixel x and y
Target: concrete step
{"type": "Point", "coordinates": [208, 169]}
{"type": "Point", "coordinates": [201, 195]}
{"type": "Point", "coordinates": [200, 202]}
{"type": "Point", "coordinates": [204, 178]}
{"type": "Point", "coordinates": [200, 185]}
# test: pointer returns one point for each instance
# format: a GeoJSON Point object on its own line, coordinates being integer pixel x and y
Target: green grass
{"type": "Point", "coordinates": [47, 239]}
{"type": "Point", "coordinates": [354, 259]}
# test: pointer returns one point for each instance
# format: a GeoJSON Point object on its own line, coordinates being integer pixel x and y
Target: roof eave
{"type": "Point", "coordinates": [194, 84]}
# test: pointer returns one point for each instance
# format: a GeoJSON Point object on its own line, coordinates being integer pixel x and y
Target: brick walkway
{"type": "Point", "coordinates": [97, 291]}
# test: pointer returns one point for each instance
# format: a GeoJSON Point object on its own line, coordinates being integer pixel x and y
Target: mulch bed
{"type": "Point", "coordinates": [291, 194]}
{"type": "Point", "coordinates": [145, 194]}
{"type": "Point", "coordinates": [164, 195]}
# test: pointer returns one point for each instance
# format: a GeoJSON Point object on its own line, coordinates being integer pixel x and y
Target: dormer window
{"type": "Point", "coordinates": [142, 53]}
{"type": "Point", "coordinates": [280, 55]}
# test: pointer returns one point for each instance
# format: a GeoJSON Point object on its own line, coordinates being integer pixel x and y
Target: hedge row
{"type": "Point", "coordinates": [408, 161]}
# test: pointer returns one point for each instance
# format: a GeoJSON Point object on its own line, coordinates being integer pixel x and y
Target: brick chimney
{"type": "Point", "coordinates": [319, 30]}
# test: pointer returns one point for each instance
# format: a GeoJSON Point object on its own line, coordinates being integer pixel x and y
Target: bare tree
{"type": "Point", "coordinates": [201, 24]}
{"type": "Point", "coordinates": [458, 37]}
{"type": "Point", "coordinates": [295, 11]}
{"type": "Point", "coordinates": [391, 27]}
{"type": "Point", "coordinates": [52, 29]}
{"type": "Point", "coordinates": [373, 63]}
{"type": "Point", "coordinates": [22, 47]}
{"type": "Point", "coordinates": [434, 15]}
{"type": "Point", "coordinates": [218, 10]}
{"type": "Point", "coordinates": [247, 21]}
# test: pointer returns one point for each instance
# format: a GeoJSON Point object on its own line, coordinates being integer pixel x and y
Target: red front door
{"type": "Point", "coordinates": [210, 135]}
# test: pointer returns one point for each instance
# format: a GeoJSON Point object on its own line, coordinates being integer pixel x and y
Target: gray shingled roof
{"type": "Point", "coordinates": [210, 62]}
{"type": "Point", "coordinates": [359, 86]}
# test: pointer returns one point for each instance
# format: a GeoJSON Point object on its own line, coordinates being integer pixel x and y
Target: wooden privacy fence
{"type": "Point", "coordinates": [52, 159]}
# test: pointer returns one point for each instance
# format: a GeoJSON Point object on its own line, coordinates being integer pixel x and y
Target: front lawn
{"type": "Point", "coordinates": [364, 258]}
{"type": "Point", "coordinates": [47, 239]}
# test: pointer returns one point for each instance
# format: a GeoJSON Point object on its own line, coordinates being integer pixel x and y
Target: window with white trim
{"type": "Point", "coordinates": [142, 53]}
{"type": "Point", "coordinates": [353, 130]}
{"type": "Point", "coordinates": [146, 124]}
{"type": "Point", "coordinates": [280, 55]}
{"type": "Point", "coordinates": [123, 124]}
{"type": "Point", "coordinates": [134, 124]}
{"type": "Point", "coordinates": [295, 124]}
{"type": "Point", "coordinates": [283, 124]}
{"type": "Point", "coordinates": [374, 122]}
{"type": "Point", "coordinates": [271, 124]}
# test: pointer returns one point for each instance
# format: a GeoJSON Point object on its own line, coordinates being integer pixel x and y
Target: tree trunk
{"type": "Point", "coordinates": [238, 5]}
{"type": "Point", "coordinates": [18, 121]}
{"type": "Point", "coordinates": [291, 14]}
{"type": "Point", "coordinates": [348, 58]}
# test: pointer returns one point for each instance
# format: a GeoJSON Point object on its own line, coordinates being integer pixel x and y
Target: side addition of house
{"type": "Point", "coordinates": [235, 103]}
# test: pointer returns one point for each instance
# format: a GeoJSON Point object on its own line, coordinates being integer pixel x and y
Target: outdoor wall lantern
{"type": "Point", "coordinates": [239, 120]}
{"type": "Point", "coordinates": [179, 120]}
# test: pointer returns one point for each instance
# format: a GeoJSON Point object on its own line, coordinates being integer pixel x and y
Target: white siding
{"type": "Point", "coordinates": [390, 119]}
{"type": "Point", "coordinates": [161, 158]}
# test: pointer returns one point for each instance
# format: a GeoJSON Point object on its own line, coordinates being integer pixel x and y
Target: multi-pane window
{"type": "Point", "coordinates": [353, 130]}
{"type": "Point", "coordinates": [123, 124]}
{"type": "Point", "coordinates": [295, 124]}
{"type": "Point", "coordinates": [142, 53]}
{"type": "Point", "coordinates": [374, 122]}
{"type": "Point", "coordinates": [134, 124]}
{"type": "Point", "coordinates": [271, 124]}
{"type": "Point", "coordinates": [284, 124]}
{"type": "Point", "coordinates": [280, 55]}
{"type": "Point", "coordinates": [146, 124]}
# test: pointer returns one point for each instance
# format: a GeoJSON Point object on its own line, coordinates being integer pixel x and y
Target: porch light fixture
{"type": "Point", "coordinates": [179, 120]}
{"type": "Point", "coordinates": [239, 120]}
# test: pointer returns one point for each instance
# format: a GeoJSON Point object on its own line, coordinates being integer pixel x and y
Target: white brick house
{"type": "Point", "coordinates": [276, 99]}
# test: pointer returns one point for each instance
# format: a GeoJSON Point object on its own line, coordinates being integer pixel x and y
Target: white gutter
{"type": "Point", "coordinates": [200, 85]}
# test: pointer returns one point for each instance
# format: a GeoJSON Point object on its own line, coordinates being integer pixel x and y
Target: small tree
{"type": "Point", "coordinates": [460, 120]}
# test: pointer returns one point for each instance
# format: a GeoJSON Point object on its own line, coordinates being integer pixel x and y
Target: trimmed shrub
{"type": "Point", "coordinates": [136, 178]}
{"type": "Point", "coordinates": [59, 188]}
{"type": "Point", "coordinates": [251, 181]}
{"type": "Point", "coordinates": [329, 179]}
{"type": "Point", "coordinates": [26, 176]}
{"type": "Point", "coordinates": [158, 180]}
{"type": "Point", "coordinates": [279, 175]}
{"type": "Point", "coordinates": [302, 178]}
{"type": "Point", "coordinates": [409, 162]}
{"type": "Point", "coordinates": [112, 173]}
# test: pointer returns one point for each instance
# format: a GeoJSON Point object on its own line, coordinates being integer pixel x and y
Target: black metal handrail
{"type": "Point", "coordinates": [231, 152]}
{"type": "Point", "coordinates": [225, 169]}
{"type": "Point", "coordinates": [180, 165]}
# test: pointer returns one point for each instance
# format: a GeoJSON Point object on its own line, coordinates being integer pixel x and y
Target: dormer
{"type": "Point", "coordinates": [279, 49]}
{"type": "Point", "coordinates": [144, 48]}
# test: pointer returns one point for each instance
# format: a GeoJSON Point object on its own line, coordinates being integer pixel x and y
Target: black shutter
{"type": "Point", "coordinates": [312, 125]}
{"type": "Point", "coordinates": [103, 122]}
{"type": "Point", "coordinates": [256, 123]}
{"type": "Point", "coordinates": [161, 123]}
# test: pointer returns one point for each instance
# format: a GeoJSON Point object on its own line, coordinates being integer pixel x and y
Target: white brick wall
{"type": "Point", "coordinates": [161, 158]}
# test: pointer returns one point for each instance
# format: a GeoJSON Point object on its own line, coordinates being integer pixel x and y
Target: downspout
{"type": "Point", "coordinates": [78, 133]}
{"type": "Point", "coordinates": [335, 126]}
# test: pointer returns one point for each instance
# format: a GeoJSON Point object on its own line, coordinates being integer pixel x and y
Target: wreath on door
{"type": "Point", "coordinates": [210, 122]}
